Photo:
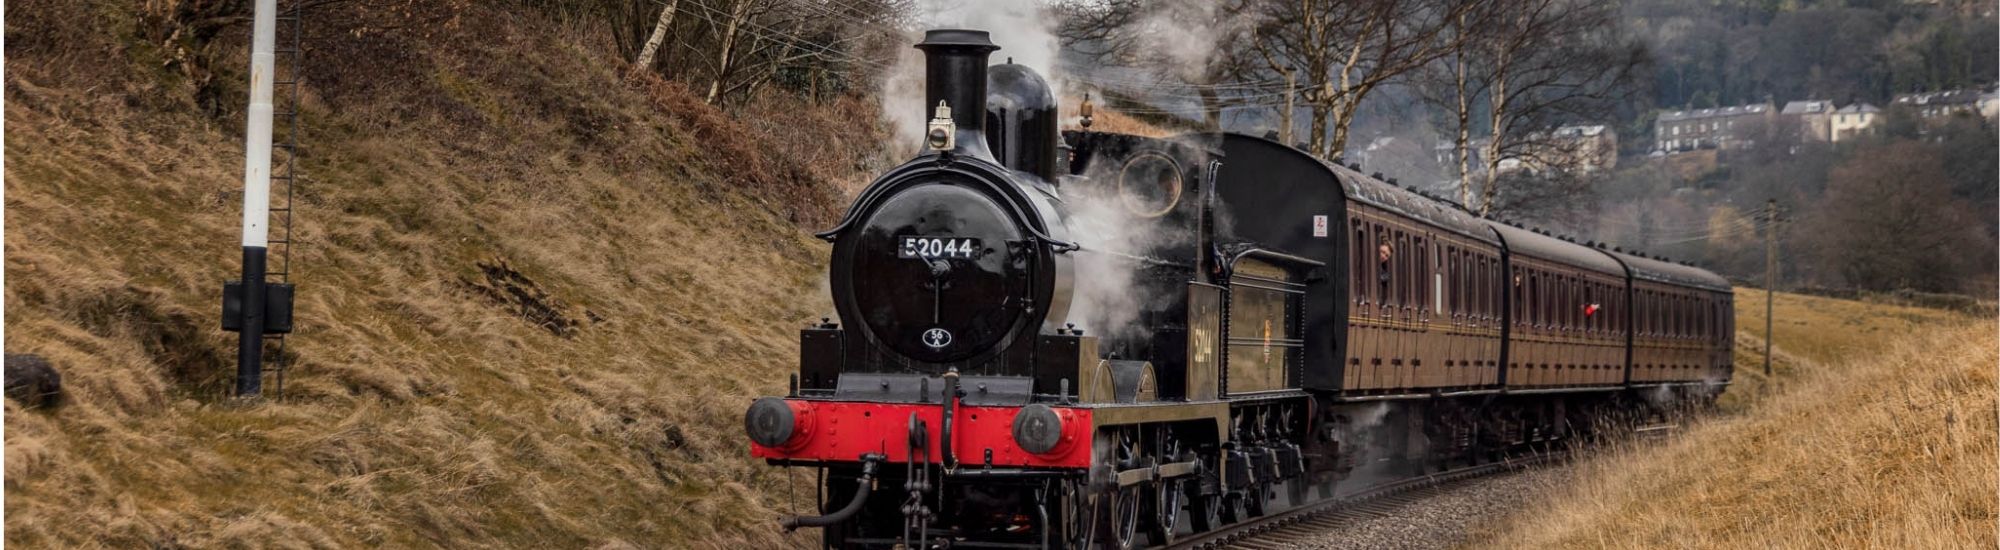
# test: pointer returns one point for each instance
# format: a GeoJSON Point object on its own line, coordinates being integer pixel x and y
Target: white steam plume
{"type": "Point", "coordinates": [1183, 35]}
{"type": "Point", "coordinates": [1106, 298]}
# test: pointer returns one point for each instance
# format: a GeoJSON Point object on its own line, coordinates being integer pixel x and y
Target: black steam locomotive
{"type": "Point", "coordinates": [1092, 339]}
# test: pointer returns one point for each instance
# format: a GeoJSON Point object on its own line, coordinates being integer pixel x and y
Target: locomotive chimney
{"type": "Point", "coordinates": [955, 78]}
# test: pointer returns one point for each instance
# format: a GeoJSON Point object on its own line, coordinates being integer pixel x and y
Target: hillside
{"type": "Point", "coordinates": [534, 296]}
{"type": "Point", "coordinates": [1880, 435]}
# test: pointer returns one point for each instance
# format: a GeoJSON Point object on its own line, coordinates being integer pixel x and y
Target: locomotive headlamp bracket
{"type": "Point", "coordinates": [942, 133]}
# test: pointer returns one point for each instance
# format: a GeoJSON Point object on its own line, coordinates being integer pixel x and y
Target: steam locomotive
{"type": "Point", "coordinates": [1087, 339]}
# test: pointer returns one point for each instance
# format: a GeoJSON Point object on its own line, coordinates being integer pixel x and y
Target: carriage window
{"type": "Point", "coordinates": [1551, 305]}
{"type": "Point", "coordinates": [1494, 280]}
{"type": "Point", "coordinates": [1680, 316]}
{"type": "Point", "coordinates": [1673, 316]}
{"type": "Point", "coordinates": [1658, 317]}
{"type": "Point", "coordinates": [1648, 312]}
{"type": "Point", "coordinates": [1675, 307]}
{"type": "Point", "coordinates": [1478, 283]}
{"type": "Point", "coordinates": [1479, 286]}
{"type": "Point", "coordinates": [1701, 317]}
{"type": "Point", "coordinates": [1438, 272]}
{"type": "Point", "coordinates": [1384, 252]}
{"type": "Point", "coordinates": [1459, 281]}
{"type": "Point", "coordinates": [1545, 294]}
{"type": "Point", "coordinates": [1568, 302]}
{"type": "Point", "coordinates": [1568, 305]}
{"type": "Point", "coordinates": [1687, 316]}
{"type": "Point", "coordinates": [1420, 273]}
{"type": "Point", "coordinates": [1357, 264]}
{"type": "Point", "coordinates": [1652, 314]}
{"type": "Point", "coordinates": [1450, 276]}
{"type": "Point", "coordinates": [1583, 307]}
{"type": "Point", "coordinates": [1551, 295]}
{"type": "Point", "coordinates": [1715, 319]}
{"type": "Point", "coordinates": [1528, 295]}
{"type": "Point", "coordinates": [1403, 274]}
{"type": "Point", "coordinates": [1520, 297]}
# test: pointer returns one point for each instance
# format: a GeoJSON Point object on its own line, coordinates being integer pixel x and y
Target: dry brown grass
{"type": "Point", "coordinates": [1882, 435]}
{"type": "Point", "coordinates": [419, 412]}
{"type": "Point", "coordinates": [1815, 331]}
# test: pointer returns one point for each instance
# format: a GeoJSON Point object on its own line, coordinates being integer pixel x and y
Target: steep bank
{"type": "Point", "coordinates": [533, 296]}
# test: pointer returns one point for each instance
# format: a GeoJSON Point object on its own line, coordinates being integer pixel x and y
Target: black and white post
{"type": "Point", "coordinates": [257, 197]}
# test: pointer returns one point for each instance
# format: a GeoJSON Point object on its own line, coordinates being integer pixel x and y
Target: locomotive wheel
{"type": "Point", "coordinates": [1163, 512]}
{"type": "Point", "coordinates": [1204, 511]}
{"type": "Point", "coordinates": [1085, 510]}
{"type": "Point", "coordinates": [1232, 508]}
{"type": "Point", "coordinates": [1256, 498]}
{"type": "Point", "coordinates": [1120, 530]}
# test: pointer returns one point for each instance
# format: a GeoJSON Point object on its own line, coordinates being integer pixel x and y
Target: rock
{"type": "Point", "coordinates": [31, 381]}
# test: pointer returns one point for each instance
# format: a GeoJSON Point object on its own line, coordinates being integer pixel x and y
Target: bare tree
{"type": "Point", "coordinates": [1530, 66]}
{"type": "Point", "coordinates": [660, 28]}
{"type": "Point", "coordinates": [1340, 51]}
{"type": "Point", "coordinates": [732, 27]}
{"type": "Point", "coordinates": [1889, 221]}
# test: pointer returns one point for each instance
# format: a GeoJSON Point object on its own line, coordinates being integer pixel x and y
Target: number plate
{"type": "Point", "coordinates": [938, 247]}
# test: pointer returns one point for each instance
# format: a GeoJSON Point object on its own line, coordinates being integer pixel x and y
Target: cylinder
{"type": "Point", "coordinates": [955, 74]}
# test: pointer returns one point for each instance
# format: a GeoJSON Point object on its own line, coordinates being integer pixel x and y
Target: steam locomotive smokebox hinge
{"type": "Point", "coordinates": [277, 307]}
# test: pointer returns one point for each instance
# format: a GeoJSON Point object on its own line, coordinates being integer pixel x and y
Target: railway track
{"type": "Point", "coordinates": [1301, 525]}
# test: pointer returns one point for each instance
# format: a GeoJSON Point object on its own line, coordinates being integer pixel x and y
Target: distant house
{"type": "Point", "coordinates": [1720, 127]}
{"type": "Point", "coordinates": [1814, 116]}
{"type": "Point", "coordinates": [1591, 148]}
{"type": "Point", "coordinates": [1854, 120]}
{"type": "Point", "coordinates": [1933, 108]}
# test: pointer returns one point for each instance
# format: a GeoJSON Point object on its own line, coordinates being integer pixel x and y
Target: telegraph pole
{"type": "Point", "coordinates": [1770, 277]}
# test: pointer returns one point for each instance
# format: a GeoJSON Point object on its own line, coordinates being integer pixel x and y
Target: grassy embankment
{"type": "Point", "coordinates": [534, 297]}
{"type": "Point", "coordinates": [1880, 433]}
